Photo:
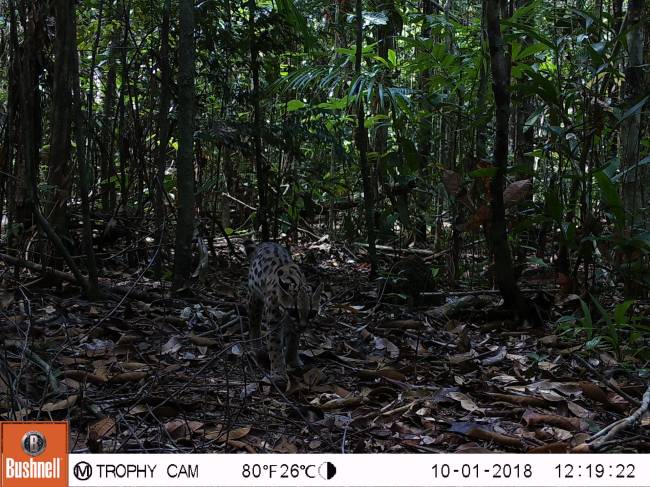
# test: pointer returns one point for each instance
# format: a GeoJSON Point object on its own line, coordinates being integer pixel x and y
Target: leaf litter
{"type": "Point", "coordinates": [175, 375]}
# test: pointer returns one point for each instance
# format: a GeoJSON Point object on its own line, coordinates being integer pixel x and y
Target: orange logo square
{"type": "Point", "coordinates": [34, 453]}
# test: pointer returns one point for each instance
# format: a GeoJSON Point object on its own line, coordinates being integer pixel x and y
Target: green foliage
{"type": "Point", "coordinates": [616, 330]}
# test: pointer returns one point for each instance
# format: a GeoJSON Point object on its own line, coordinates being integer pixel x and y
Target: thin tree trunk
{"type": "Point", "coordinates": [637, 177]}
{"type": "Point", "coordinates": [362, 147]}
{"type": "Point", "coordinates": [163, 135]}
{"type": "Point", "coordinates": [59, 180]}
{"type": "Point", "coordinates": [107, 165]}
{"type": "Point", "coordinates": [185, 161]}
{"type": "Point", "coordinates": [123, 128]}
{"type": "Point", "coordinates": [92, 289]}
{"type": "Point", "coordinates": [260, 165]}
{"type": "Point", "coordinates": [424, 135]}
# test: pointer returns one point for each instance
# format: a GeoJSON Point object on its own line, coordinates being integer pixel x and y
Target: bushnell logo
{"type": "Point", "coordinates": [33, 443]}
{"type": "Point", "coordinates": [34, 453]}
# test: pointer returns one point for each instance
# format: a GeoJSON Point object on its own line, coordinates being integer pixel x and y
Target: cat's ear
{"type": "Point", "coordinates": [315, 297]}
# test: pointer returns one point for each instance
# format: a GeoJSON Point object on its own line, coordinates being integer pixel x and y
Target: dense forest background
{"type": "Point", "coordinates": [469, 179]}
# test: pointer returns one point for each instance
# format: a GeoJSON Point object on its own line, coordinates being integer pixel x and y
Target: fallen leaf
{"type": "Point", "coordinates": [66, 403]}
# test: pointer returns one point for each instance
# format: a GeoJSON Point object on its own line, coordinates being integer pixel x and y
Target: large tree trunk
{"type": "Point", "coordinates": [500, 65]}
{"type": "Point", "coordinates": [185, 161]}
{"type": "Point", "coordinates": [362, 147]}
{"type": "Point", "coordinates": [30, 129]}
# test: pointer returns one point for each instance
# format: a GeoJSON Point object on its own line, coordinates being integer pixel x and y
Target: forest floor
{"type": "Point", "coordinates": [172, 375]}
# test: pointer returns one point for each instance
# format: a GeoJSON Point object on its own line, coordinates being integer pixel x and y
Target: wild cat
{"type": "Point", "coordinates": [279, 296]}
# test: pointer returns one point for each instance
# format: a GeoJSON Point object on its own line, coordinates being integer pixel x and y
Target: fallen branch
{"type": "Point", "coordinates": [606, 434]}
{"type": "Point", "coordinates": [33, 266]}
{"type": "Point", "coordinates": [386, 248]}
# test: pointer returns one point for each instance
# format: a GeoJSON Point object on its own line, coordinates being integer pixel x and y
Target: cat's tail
{"type": "Point", "coordinates": [249, 247]}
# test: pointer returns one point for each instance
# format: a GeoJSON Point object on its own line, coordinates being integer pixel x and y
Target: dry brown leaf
{"type": "Point", "coordinates": [66, 403]}
{"type": "Point", "coordinates": [465, 401]}
{"type": "Point", "coordinates": [134, 365]}
{"type": "Point", "coordinates": [517, 192]}
{"type": "Point", "coordinates": [240, 445]}
{"type": "Point", "coordinates": [556, 447]}
{"type": "Point", "coordinates": [128, 377]}
{"type": "Point", "coordinates": [481, 432]}
{"type": "Point", "coordinates": [285, 446]}
{"type": "Point", "coordinates": [180, 428]}
{"type": "Point", "coordinates": [102, 428]}
{"type": "Point", "coordinates": [6, 298]}
{"type": "Point", "coordinates": [83, 376]}
{"type": "Point", "coordinates": [138, 409]}
{"type": "Point", "coordinates": [203, 341]}
{"type": "Point", "coordinates": [220, 435]}
{"type": "Point", "coordinates": [514, 399]}
{"type": "Point", "coordinates": [573, 424]}
{"type": "Point", "coordinates": [343, 402]}
{"type": "Point", "coordinates": [386, 372]}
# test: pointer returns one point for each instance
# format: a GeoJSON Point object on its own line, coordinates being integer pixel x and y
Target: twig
{"type": "Point", "coordinates": [610, 431]}
{"type": "Point", "coordinates": [607, 383]}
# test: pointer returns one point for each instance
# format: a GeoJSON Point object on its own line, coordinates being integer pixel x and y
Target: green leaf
{"type": "Point", "coordinates": [532, 50]}
{"type": "Point", "coordinates": [298, 21]}
{"type": "Point", "coordinates": [587, 322]}
{"type": "Point", "coordinates": [294, 105]}
{"type": "Point", "coordinates": [484, 172]}
{"type": "Point", "coordinates": [611, 196]}
{"type": "Point", "coordinates": [621, 310]}
{"type": "Point", "coordinates": [554, 207]}
{"type": "Point", "coordinates": [633, 110]}
{"type": "Point", "coordinates": [537, 261]}
{"type": "Point", "coordinates": [337, 103]}
{"type": "Point", "coordinates": [530, 31]}
{"type": "Point", "coordinates": [392, 57]}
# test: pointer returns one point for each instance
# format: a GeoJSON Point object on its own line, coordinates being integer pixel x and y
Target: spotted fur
{"type": "Point", "coordinates": [280, 297]}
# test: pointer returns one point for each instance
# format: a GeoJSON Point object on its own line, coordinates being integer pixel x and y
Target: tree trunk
{"type": "Point", "coordinates": [163, 137]}
{"type": "Point", "coordinates": [30, 127]}
{"type": "Point", "coordinates": [123, 127]}
{"type": "Point", "coordinates": [59, 180]}
{"type": "Point", "coordinates": [362, 147]}
{"type": "Point", "coordinates": [260, 165]}
{"type": "Point", "coordinates": [424, 135]}
{"type": "Point", "coordinates": [92, 289]}
{"type": "Point", "coordinates": [637, 177]}
{"type": "Point", "coordinates": [107, 165]}
{"type": "Point", "coordinates": [500, 65]}
{"type": "Point", "coordinates": [185, 161]}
